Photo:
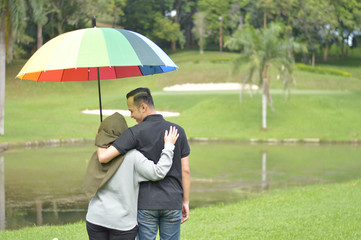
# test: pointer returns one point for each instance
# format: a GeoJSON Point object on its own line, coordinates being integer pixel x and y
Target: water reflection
{"type": "Point", "coordinates": [43, 186]}
{"type": "Point", "coordinates": [264, 171]}
{"type": "Point", "coordinates": [2, 194]}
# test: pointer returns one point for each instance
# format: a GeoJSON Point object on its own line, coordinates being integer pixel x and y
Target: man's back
{"type": "Point", "coordinates": [147, 137]}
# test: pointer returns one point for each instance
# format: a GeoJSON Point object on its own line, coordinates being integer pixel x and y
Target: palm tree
{"type": "Point", "coordinates": [12, 17]}
{"type": "Point", "coordinates": [264, 49]}
{"type": "Point", "coordinates": [39, 12]}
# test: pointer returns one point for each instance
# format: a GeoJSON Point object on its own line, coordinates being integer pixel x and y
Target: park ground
{"type": "Point", "coordinates": [314, 212]}
{"type": "Point", "coordinates": [322, 105]}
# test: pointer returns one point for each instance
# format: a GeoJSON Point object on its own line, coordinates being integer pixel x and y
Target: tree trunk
{"type": "Point", "coordinates": [346, 54]}
{"type": "Point", "coordinates": [2, 194]}
{"type": "Point", "coordinates": [115, 17]}
{"type": "Point", "coordinates": [305, 59]}
{"type": "Point", "coordinates": [313, 59]}
{"type": "Point", "coordinates": [174, 46]}
{"type": "Point", "coordinates": [40, 36]}
{"type": "Point", "coordinates": [342, 48]}
{"type": "Point", "coordinates": [325, 52]}
{"type": "Point", "coordinates": [264, 97]}
{"type": "Point", "coordinates": [2, 73]}
{"type": "Point", "coordinates": [264, 110]}
{"type": "Point", "coordinates": [264, 20]}
{"type": "Point", "coordinates": [188, 33]}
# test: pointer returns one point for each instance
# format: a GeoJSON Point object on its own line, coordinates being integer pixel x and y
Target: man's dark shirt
{"type": "Point", "coordinates": [148, 138]}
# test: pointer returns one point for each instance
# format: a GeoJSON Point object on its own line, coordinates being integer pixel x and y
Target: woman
{"type": "Point", "coordinates": [112, 211]}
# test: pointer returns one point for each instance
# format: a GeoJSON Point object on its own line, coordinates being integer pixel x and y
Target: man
{"type": "Point", "coordinates": [163, 204]}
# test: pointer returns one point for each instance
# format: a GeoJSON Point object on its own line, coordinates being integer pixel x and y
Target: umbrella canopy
{"type": "Point", "coordinates": [96, 54]}
{"type": "Point", "coordinates": [75, 56]}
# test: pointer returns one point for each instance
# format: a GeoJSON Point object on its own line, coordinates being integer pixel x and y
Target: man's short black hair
{"type": "Point", "coordinates": [141, 95]}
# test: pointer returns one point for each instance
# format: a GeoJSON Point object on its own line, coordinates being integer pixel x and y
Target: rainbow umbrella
{"type": "Point", "coordinates": [96, 54]}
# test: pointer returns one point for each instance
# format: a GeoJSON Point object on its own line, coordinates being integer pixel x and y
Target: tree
{"type": "Point", "coordinates": [116, 8]}
{"type": "Point", "coordinates": [269, 8]}
{"type": "Point", "coordinates": [348, 14]}
{"type": "Point", "coordinates": [312, 18]}
{"type": "Point", "coordinates": [106, 11]}
{"type": "Point", "coordinates": [12, 15]}
{"type": "Point", "coordinates": [67, 15]}
{"type": "Point", "coordinates": [200, 29]}
{"type": "Point", "coordinates": [185, 10]}
{"type": "Point", "coordinates": [215, 9]}
{"type": "Point", "coordinates": [277, 10]}
{"type": "Point", "coordinates": [264, 49]}
{"type": "Point", "coordinates": [39, 12]}
{"type": "Point", "coordinates": [166, 30]}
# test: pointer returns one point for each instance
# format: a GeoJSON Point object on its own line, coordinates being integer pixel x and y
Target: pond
{"type": "Point", "coordinates": [43, 186]}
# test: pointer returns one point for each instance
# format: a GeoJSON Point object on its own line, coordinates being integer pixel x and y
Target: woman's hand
{"type": "Point", "coordinates": [171, 136]}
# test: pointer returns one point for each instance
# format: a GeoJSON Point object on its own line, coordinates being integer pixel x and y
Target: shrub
{"type": "Point", "coordinates": [220, 60]}
{"type": "Point", "coordinates": [322, 70]}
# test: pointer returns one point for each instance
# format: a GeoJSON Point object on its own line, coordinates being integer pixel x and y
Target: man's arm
{"type": "Point", "coordinates": [125, 142]}
{"type": "Point", "coordinates": [107, 154]}
{"type": "Point", "coordinates": [186, 183]}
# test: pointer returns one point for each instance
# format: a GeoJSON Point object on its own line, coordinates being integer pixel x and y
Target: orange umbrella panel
{"type": "Point", "coordinates": [83, 74]}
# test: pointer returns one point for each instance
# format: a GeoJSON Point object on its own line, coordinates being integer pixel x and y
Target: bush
{"type": "Point", "coordinates": [322, 70]}
{"type": "Point", "coordinates": [220, 60]}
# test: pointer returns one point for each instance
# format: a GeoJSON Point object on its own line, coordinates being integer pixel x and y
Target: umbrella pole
{"type": "Point", "coordinates": [100, 97]}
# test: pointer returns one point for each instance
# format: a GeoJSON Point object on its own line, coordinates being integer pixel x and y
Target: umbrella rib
{"type": "Point", "coordinates": [62, 75]}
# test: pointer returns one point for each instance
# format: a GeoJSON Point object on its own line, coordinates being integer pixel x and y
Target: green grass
{"type": "Point", "coordinates": [321, 106]}
{"type": "Point", "coordinates": [324, 116]}
{"type": "Point", "coordinates": [317, 212]}
{"type": "Point", "coordinates": [314, 212]}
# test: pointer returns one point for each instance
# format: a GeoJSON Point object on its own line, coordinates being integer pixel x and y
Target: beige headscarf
{"type": "Point", "coordinates": [97, 173]}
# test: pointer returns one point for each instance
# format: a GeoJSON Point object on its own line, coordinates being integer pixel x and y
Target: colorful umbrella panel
{"type": "Point", "coordinates": [76, 55]}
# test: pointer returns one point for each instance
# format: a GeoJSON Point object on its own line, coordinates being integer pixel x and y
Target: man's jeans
{"type": "Point", "coordinates": [168, 221]}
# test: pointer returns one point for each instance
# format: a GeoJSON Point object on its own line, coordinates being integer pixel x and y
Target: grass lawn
{"type": "Point", "coordinates": [320, 105]}
{"type": "Point", "coordinates": [314, 212]}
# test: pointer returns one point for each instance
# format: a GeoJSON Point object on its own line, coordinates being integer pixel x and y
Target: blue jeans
{"type": "Point", "coordinates": [168, 222]}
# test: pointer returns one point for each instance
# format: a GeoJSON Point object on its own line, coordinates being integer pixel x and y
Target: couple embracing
{"type": "Point", "coordinates": [150, 158]}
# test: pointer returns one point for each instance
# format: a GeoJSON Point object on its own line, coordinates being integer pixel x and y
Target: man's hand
{"type": "Point", "coordinates": [186, 184]}
{"type": "Point", "coordinates": [185, 212]}
{"type": "Point", "coordinates": [171, 136]}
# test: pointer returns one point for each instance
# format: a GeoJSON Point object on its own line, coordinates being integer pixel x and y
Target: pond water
{"type": "Point", "coordinates": [43, 186]}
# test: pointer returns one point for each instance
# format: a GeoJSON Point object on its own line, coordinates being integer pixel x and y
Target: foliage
{"type": "Point", "coordinates": [39, 11]}
{"type": "Point", "coordinates": [165, 29]}
{"type": "Point", "coordinates": [264, 50]}
{"type": "Point", "coordinates": [200, 30]}
{"type": "Point", "coordinates": [323, 70]}
{"type": "Point", "coordinates": [214, 10]}
{"type": "Point", "coordinates": [319, 24]}
{"type": "Point", "coordinates": [315, 19]}
{"type": "Point", "coordinates": [349, 18]}
{"type": "Point", "coordinates": [11, 23]}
